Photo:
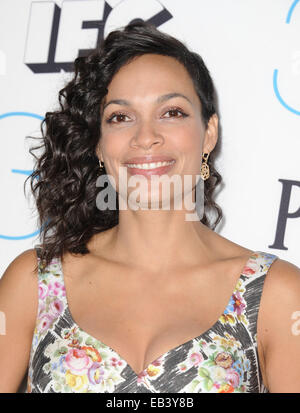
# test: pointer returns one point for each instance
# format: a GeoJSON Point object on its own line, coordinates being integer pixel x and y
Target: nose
{"type": "Point", "coordinates": [146, 136]}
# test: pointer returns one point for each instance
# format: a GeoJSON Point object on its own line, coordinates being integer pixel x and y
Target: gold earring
{"type": "Point", "coordinates": [204, 167]}
{"type": "Point", "coordinates": [101, 164]}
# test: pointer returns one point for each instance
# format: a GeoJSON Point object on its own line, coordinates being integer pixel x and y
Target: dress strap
{"type": "Point", "coordinates": [258, 264]}
{"type": "Point", "coordinates": [52, 294]}
{"type": "Point", "coordinates": [253, 276]}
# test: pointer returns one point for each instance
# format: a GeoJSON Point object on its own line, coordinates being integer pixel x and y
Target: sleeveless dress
{"type": "Point", "coordinates": [223, 359]}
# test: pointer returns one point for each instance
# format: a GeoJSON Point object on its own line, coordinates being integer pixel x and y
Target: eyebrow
{"type": "Point", "coordinates": [160, 99]}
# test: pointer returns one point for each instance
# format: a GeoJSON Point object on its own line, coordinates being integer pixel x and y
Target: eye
{"type": "Point", "coordinates": [121, 115]}
{"type": "Point", "coordinates": [176, 110]}
{"type": "Point", "coordinates": [117, 115]}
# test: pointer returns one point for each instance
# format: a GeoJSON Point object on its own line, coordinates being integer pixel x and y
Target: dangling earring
{"type": "Point", "coordinates": [204, 167]}
{"type": "Point", "coordinates": [101, 164]}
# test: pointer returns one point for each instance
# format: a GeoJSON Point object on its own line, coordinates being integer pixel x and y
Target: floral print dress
{"type": "Point", "coordinates": [223, 359]}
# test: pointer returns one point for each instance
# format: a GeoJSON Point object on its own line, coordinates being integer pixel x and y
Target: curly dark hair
{"type": "Point", "coordinates": [63, 181]}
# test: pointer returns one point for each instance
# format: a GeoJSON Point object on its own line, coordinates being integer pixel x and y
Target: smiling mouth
{"type": "Point", "coordinates": [149, 165]}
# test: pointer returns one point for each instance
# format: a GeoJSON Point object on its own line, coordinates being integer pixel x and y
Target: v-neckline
{"type": "Point", "coordinates": [173, 349]}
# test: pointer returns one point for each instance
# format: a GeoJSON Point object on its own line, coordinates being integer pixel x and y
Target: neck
{"type": "Point", "coordinates": [158, 240]}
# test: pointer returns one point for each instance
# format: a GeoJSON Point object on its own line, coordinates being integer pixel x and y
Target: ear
{"type": "Point", "coordinates": [211, 134]}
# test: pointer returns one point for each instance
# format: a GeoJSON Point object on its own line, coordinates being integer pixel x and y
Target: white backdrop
{"type": "Point", "coordinates": [252, 49]}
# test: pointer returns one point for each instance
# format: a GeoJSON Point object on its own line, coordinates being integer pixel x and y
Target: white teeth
{"type": "Point", "coordinates": [151, 165]}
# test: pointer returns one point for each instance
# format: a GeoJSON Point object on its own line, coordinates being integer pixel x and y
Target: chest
{"type": "Point", "coordinates": [142, 318]}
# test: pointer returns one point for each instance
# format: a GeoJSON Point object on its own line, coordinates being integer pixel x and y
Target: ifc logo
{"type": "Point", "coordinates": [57, 35]}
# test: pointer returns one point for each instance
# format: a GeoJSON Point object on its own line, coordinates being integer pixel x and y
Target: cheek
{"type": "Point", "coordinates": [189, 141]}
{"type": "Point", "coordinates": [192, 129]}
{"type": "Point", "coordinates": [113, 146]}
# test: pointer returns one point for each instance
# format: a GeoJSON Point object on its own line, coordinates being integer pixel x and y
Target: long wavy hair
{"type": "Point", "coordinates": [63, 181]}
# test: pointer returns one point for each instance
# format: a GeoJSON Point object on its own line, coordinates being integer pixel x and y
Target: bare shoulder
{"type": "Point", "coordinates": [279, 326]}
{"type": "Point", "coordinates": [281, 292]}
{"type": "Point", "coordinates": [22, 266]}
{"type": "Point", "coordinates": [283, 283]}
{"type": "Point", "coordinates": [19, 306]}
{"type": "Point", "coordinates": [19, 287]}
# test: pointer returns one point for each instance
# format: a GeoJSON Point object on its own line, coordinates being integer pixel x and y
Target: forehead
{"type": "Point", "coordinates": [150, 75]}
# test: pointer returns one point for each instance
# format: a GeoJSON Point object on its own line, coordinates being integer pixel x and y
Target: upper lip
{"type": "Point", "coordinates": [148, 159]}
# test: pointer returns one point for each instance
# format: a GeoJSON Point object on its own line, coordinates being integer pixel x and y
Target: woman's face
{"type": "Point", "coordinates": [152, 113]}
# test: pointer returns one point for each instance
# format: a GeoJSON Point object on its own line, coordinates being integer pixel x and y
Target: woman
{"type": "Point", "coordinates": [137, 299]}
